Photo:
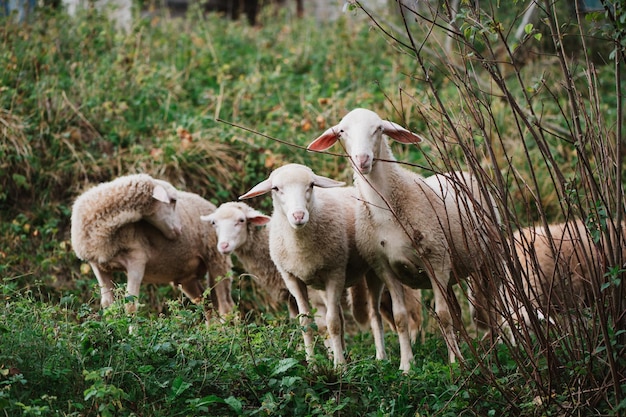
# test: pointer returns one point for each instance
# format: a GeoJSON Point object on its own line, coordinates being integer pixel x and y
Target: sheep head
{"type": "Point", "coordinates": [231, 221]}
{"type": "Point", "coordinates": [292, 191]}
{"type": "Point", "coordinates": [163, 215]}
{"type": "Point", "coordinates": [361, 133]}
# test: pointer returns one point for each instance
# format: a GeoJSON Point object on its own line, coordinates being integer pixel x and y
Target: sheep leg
{"type": "Point", "coordinates": [401, 320]}
{"type": "Point", "coordinates": [358, 298]}
{"type": "Point", "coordinates": [134, 272]}
{"type": "Point", "coordinates": [298, 289]}
{"type": "Point", "coordinates": [105, 281]}
{"type": "Point", "coordinates": [317, 303]}
{"type": "Point", "coordinates": [479, 309]}
{"type": "Point", "coordinates": [334, 319]}
{"type": "Point", "coordinates": [375, 288]}
{"type": "Point", "coordinates": [442, 309]}
{"type": "Point", "coordinates": [413, 300]}
{"type": "Point", "coordinates": [220, 284]}
{"type": "Point", "coordinates": [222, 290]}
{"type": "Point", "coordinates": [292, 307]}
{"type": "Point", "coordinates": [195, 292]}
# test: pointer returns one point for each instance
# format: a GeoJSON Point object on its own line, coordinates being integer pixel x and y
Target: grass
{"type": "Point", "coordinates": [213, 106]}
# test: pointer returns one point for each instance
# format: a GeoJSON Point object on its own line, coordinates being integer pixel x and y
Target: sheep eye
{"type": "Point", "coordinates": [242, 220]}
{"type": "Point", "coordinates": [274, 188]}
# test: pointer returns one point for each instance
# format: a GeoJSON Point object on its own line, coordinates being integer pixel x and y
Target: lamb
{"type": "Point", "coordinates": [237, 227]}
{"type": "Point", "coordinates": [558, 266]}
{"type": "Point", "coordinates": [405, 229]}
{"type": "Point", "coordinates": [312, 244]}
{"type": "Point", "coordinates": [152, 231]}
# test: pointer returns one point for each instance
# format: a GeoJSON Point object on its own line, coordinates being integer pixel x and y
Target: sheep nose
{"type": "Point", "coordinates": [362, 161]}
{"type": "Point", "coordinates": [298, 216]}
{"type": "Point", "coordinates": [224, 247]}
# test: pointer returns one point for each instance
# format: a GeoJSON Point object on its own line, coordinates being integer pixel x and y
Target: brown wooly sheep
{"type": "Point", "coordinates": [558, 265]}
{"type": "Point", "coordinates": [148, 229]}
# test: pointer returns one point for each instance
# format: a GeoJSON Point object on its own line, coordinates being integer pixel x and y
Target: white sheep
{"type": "Point", "coordinates": [237, 227]}
{"type": "Point", "coordinates": [151, 231]}
{"type": "Point", "coordinates": [404, 228]}
{"type": "Point", "coordinates": [312, 244]}
{"type": "Point", "coordinates": [461, 193]}
{"type": "Point", "coordinates": [239, 231]}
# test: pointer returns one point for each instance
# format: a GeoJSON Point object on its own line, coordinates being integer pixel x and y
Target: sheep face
{"type": "Point", "coordinates": [292, 191]}
{"type": "Point", "coordinates": [361, 133]}
{"type": "Point", "coordinates": [164, 216]}
{"type": "Point", "coordinates": [230, 222]}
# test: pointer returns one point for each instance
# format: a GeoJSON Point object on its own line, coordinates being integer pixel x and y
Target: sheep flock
{"type": "Point", "coordinates": [366, 249]}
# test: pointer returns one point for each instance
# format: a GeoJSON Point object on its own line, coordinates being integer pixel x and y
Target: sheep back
{"type": "Point", "coordinates": [563, 277]}
{"type": "Point", "coordinates": [99, 213]}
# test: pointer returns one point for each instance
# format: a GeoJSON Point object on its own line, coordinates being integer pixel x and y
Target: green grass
{"type": "Point", "coordinates": [182, 99]}
{"type": "Point", "coordinates": [69, 359]}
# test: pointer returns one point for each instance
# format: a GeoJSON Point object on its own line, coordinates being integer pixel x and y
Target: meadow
{"type": "Point", "coordinates": [213, 106]}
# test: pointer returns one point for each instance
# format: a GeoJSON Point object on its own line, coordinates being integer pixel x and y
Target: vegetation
{"type": "Point", "coordinates": [213, 106]}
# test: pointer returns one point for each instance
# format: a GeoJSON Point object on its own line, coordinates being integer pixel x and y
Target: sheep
{"type": "Point", "coordinates": [404, 228]}
{"type": "Point", "coordinates": [238, 231]}
{"type": "Point", "coordinates": [152, 231]}
{"type": "Point", "coordinates": [557, 266]}
{"type": "Point", "coordinates": [460, 191]}
{"type": "Point", "coordinates": [413, 304]}
{"type": "Point", "coordinates": [312, 244]}
{"type": "Point", "coordinates": [237, 227]}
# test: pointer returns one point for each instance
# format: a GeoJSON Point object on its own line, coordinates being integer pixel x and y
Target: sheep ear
{"type": "Point", "coordinates": [326, 140]}
{"type": "Point", "coordinates": [259, 189]}
{"type": "Point", "coordinates": [324, 182]}
{"type": "Point", "coordinates": [160, 194]}
{"type": "Point", "coordinates": [259, 219]}
{"type": "Point", "coordinates": [400, 134]}
{"type": "Point", "coordinates": [206, 218]}
{"type": "Point", "coordinates": [254, 216]}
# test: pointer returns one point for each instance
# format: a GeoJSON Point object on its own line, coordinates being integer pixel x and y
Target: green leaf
{"type": "Point", "coordinates": [235, 404]}
{"type": "Point", "coordinates": [284, 365]}
{"type": "Point", "coordinates": [528, 28]}
{"type": "Point", "coordinates": [208, 400]}
{"type": "Point", "coordinates": [179, 386]}
{"type": "Point", "coordinates": [21, 181]}
{"type": "Point", "coordinates": [144, 369]}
